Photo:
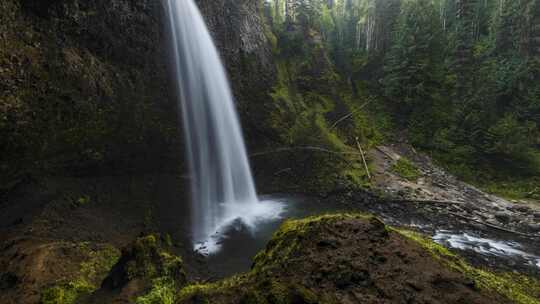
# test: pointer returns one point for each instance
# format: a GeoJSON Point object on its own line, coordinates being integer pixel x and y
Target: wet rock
{"type": "Point", "coordinates": [502, 217]}
{"type": "Point", "coordinates": [493, 221]}
{"type": "Point", "coordinates": [477, 226]}
{"type": "Point", "coordinates": [328, 243]}
{"type": "Point", "coordinates": [147, 259]}
{"type": "Point", "coordinates": [8, 280]}
{"type": "Point", "coordinates": [518, 208]}
{"type": "Point", "coordinates": [535, 227]}
{"type": "Point", "coordinates": [32, 268]}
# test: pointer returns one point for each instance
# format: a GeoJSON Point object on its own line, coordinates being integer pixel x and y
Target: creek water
{"type": "Point", "coordinates": [487, 247]}
{"type": "Point", "coordinates": [239, 244]}
{"type": "Point", "coordinates": [222, 188]}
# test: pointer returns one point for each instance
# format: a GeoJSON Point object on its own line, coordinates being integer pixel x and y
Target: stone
{"type": "Point", "coordinates": [533, 226]}
{"type": "Point", "coordinates": [502, 217]}
{"type": "Point", "coordinates": [519, 208]}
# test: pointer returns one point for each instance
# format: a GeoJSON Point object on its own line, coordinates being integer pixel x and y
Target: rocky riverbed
{"type": "Point", "coordinates": [491, 230]}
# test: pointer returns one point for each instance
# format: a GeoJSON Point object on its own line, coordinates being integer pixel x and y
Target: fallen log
{"type": "Point", "coordinates": [307, 148]}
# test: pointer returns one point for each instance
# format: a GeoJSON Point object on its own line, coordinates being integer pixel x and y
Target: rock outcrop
{"type": "Point", "coordinates": [146, 269]}
{"type": "Point", "coordinates": [347, 258]}
{"type": "Point", "coordinates": [84, 85]}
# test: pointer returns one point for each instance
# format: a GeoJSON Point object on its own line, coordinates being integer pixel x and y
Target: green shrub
{"type": "Point", "coordinates": [406, 169]}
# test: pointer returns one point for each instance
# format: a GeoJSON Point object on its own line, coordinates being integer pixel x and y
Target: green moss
{"type": "Point", "coordinates": [153, 263]}
{"type": "Point", "coordinates": [97, 263]}
{"type": "Point", "coordinates": [515, 188]}
{"type": "Point", "coordinates": [286, 239]}
{"type": "Point", "coordinates": [203, 292]}
{"type": "Point", "coordinates": [259, 286]}
{"type": "Point", "coordinates": [81, 201]}
{"type": "Point", "coordinates": [304, 99]}
{"type": "Point", "coordinates": [67, 293]}
{"type": "Point", "coordinates": [249, 290]}
{"type": "Point", "coordinates": [508, 180]}
{"type": "Point", "coordinates": [516, 287]}
{"type": "Point", "coordinates": [308, 99]}
{"type": "Point", "coordinates": [300, 118]}
{"type": "Point", "coordinates": [406, 169]}
{"type": "Point", "coordinates": [152, 260]}
{"type": "Point", "coordinates": [163, 291]}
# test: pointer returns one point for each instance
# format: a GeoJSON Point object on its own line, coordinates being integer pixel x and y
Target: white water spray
{"type": "Point", "coordinates": [222, 186]}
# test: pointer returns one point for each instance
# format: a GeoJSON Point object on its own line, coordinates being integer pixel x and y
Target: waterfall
{"type": "Point", "coordinates": [222, 185]}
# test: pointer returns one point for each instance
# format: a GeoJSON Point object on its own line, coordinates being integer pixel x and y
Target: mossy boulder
{"type": "Point", "coordinates": [345, 258]}
{"type": "Point", "coordinates": [148, 270]}
{"type": "Point", "coordinates": [97, 262]}
{"type": "Point", "coordinates": [45, 271]}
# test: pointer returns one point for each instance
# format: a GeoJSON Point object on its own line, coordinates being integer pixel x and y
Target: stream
{"type": "Point", "coordinates": [239, 243]}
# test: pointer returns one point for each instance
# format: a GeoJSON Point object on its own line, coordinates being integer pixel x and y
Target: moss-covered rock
{"type": "Point", "coordinates": [92, 270]}
{"type": "Point", "coordinates": [344, 258]}
{"type": "Point", "coordinates": [66, 293]}
{"type": "Point", "coordinates": [147, 272]}
{"type": "Point", "coordinates": [53, 272]}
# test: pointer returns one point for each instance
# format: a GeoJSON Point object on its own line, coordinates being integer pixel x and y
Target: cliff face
{"type": "Point", "coordinates": [242, 37]}
{"type": "Point", "coordinates": [85, 85]}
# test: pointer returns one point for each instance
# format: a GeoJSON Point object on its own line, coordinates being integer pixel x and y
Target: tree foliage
{"type": "Point", "coordinates": [462, 77]}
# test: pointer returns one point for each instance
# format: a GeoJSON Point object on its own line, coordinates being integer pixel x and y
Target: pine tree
{"type": "Point", "coordinates": [465, 37]}
{"type": "Point", "coordinates": [413, 65]}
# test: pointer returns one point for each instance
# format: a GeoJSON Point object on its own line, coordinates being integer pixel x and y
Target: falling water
{"type": "Point", "coordinates": [222, 186]}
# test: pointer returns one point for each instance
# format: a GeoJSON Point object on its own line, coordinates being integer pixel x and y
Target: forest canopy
{"type": "Point", "coordinates": [461, 77]}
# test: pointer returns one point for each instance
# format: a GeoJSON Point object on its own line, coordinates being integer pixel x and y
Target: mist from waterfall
{"type": "Point", "coordinates": [222, 185]}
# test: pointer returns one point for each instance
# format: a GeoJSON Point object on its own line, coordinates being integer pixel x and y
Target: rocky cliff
{"type": "Point", "coordinates": [85, 85]}
{"type": "Point", "coordinates": [242, 37]}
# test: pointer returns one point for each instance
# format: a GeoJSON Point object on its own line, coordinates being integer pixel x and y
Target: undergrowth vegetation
{"type": "Point", "coordinates": [315, 112]}
{"type": "Point", "coordinates": [406, 169]}
{"type": "Point", "coordinates": [458, 79]}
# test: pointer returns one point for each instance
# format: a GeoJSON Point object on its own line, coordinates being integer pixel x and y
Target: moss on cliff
{"type": "Point", "coordinates": [81, 86]}
{"type": "Point", "coordinates": [313, 108]}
